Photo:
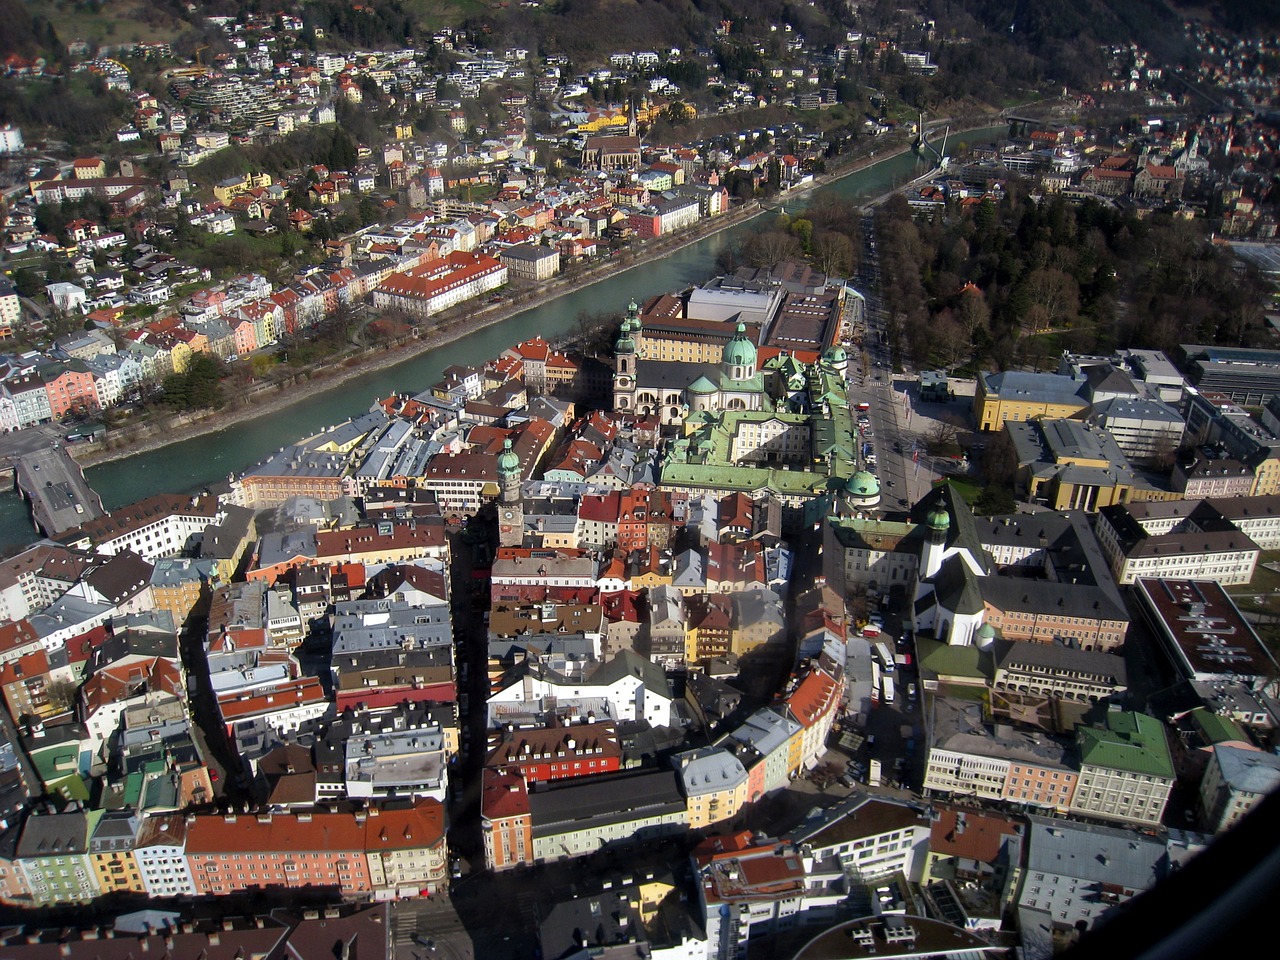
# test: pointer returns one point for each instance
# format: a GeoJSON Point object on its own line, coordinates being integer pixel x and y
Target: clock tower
{"type": "Point", "coordinates": [510, 503]}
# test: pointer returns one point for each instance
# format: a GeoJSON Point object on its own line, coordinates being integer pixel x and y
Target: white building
{"type": "Point", "coordinates": [871, 837]}
{"type": "Point", "coordinates": [1142, 428]}
{"type": "Point", "coordinates": [440, 284]}
{"type": "Point", "coordinates": [628, 687]}
{"type": "Point", "coordinates": [160, 852]}
{"type": "Point", "coordinates": [1126, 771]}
{"type": "Point", "coordinates": [1234, 783]}
{"type": "Point", "coordinates": [10, 139]}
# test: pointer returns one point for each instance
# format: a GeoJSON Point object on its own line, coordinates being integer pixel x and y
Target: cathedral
{"type": "Point", "coordinates": [671, 390]}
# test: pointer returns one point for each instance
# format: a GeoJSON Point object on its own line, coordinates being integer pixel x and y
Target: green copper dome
{"type": "Point", "coordinates": [835, 354]}
{"type": "Point", "coordinates": [984, 637]}
{"type": "Point", "coordinates": [864, 484]}
{"type": "Point", "coordinates": [702, 386]}
{"type": "Point", "coordinates": [938, 519]}
{"type": "Point", "coordinates": [740, 351]}
{"type": "Point", "coordinates": [508, 462]}
{"type": "Point", "coordinates": [624, 343]}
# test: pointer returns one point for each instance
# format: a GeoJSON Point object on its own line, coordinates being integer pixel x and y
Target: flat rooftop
{"type": "Point", "coordinates": [1212, 636]}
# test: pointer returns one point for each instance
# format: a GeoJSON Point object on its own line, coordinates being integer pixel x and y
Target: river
{"type": "Point", "coordinates": [188, 466]}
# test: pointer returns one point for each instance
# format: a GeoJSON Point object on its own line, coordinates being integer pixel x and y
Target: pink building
{"type": "Point", "coordinates": [71, 391]}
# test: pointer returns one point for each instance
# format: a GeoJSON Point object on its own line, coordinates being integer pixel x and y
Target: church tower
{"type": "Point", "coordinates": [739, 357]}
{"type": "Point", "coordinates": [626, 349]}
{"type": "Point", "coordinates": [938, 523]}
{"type": "Point", "coordinates": [510, 502]}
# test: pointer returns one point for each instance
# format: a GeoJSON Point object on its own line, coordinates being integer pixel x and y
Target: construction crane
{"type": "Point", "coordinates": [199, 51]}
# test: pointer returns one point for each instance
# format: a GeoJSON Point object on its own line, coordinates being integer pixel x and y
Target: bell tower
{"type": "Point", "coordinates": [625, 349]}
{"type": "Point", "coordinates": [510, 502]}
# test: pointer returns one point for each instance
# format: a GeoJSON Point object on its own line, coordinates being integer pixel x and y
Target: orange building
{"type": "Point", "coordinates": [383, 853]}
{"type": "Point", "coordinates": [505, 820]}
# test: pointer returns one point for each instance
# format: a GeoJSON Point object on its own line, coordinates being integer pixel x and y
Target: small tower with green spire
{"type": "Point", "coordinates": [938, 524]}
{"type": "Point", "coordinates": [510, 503]}
{"type": "Point", "coordinates": [626, 349]}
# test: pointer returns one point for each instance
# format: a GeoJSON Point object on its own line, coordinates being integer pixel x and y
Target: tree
{"type": "Point", "coordinates": [972, 312]}
{"type": "Point", "coordinates": [1000, 461]}
{"type": "Point", "coordinates": [802, 230]}
{"type": "Point", "coordinates": [342, 151]}
{"type": "Point", "coordinates": [950, 339]}
{"type": "Point", "coordinates": [941, 438]}
{"type": "Point", "coordinates": [994, 501]}
{"type": "Point", "coordinates": [770, 247]}
{"type": "Point", "coordinates": [199, 388]}
{"type": "Point", "coordinates": [833, 253]}
{"type": "Point", "coordinates": [1053, 298]}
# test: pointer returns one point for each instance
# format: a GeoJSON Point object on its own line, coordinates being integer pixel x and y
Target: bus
{"type": "Point", "coordinates": [875, 681]}
{"type": "Point", "coordinates": [884, 655]}
{"type": "Point", "coordinates": [888, 688]}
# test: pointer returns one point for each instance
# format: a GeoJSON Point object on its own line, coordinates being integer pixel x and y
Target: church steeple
{"type": "Point", "coordinates": [511, 504]}
{"type": "Point", "coordinates": [739, 357]}
{"type": "Point", "coordinates": [509, 473]}
{"type": "Point", "coordinates": [938, 523]}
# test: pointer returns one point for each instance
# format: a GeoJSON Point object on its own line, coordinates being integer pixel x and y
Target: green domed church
{"type": "Point", "coordinates": [671, 390]}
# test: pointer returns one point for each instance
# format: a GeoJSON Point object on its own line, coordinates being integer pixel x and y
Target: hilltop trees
{"type": "Point", "coordinates": [1009, 275]}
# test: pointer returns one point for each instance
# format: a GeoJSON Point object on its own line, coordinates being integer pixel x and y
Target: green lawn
{"type": "Point", "coordinates": [970, 490]}
{"type": "Point", "coordinates": [117, 22]}
{"type": "Point", "coordinates": [434, 14]}
{"type": "Point", "coordinates": [1264, 585]}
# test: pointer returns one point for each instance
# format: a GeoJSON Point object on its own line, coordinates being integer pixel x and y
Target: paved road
{"type": "Point", "coordinates": [896, 431]}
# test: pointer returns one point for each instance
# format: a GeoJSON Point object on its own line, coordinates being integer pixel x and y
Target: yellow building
{"type": "Point", "coordinates": [795, 750]}
{"type": "Point", "coordinates": [180, 353]}
{"type": "Point", "coordinates": [341, 439]}
{"type": "Point", "coordinates": [227, 190]}
{"type": "Point", "coordinates": [1068, 465]}
{"type": "Point", "coordinates": [649, 579]}
{"type": "Point", "coordinates": [710, 626]}
{"type": "Point", "coordinates": [183, 586]}
{"type": "Point", "coordinates": [111, 853]}
{"type": "Point", "coordinates": [1014, 396]}
{"type": "Point", "coordinates": [1266, 474]}
{"type": "Point", "coordinates": [715, 785]}
{"type": "Point", "coordinates": [759, 625]}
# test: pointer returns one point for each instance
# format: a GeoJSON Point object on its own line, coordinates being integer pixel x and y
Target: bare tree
{"type": "Point", "coordinates": [941, 438]}
{"type": "Point", "coordinates": [949, 338]}
{"type": "Point", "coordinates": [1055, 298]}
{"type": "Point", "coordinates": [1000, 460]}
{"type": "Point", "coordinates": [770, 247]}
{"type": "Point", "coordinates": [833, 253]}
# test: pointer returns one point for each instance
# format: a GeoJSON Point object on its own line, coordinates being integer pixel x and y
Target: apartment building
{"type": "Point", "coordinates": [1126, 770]}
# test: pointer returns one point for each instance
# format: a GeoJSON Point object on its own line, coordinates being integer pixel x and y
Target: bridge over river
{"type": "Point", "coordinates": [38, 464]}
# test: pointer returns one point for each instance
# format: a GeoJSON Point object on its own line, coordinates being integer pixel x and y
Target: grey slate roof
{"type": "Point", "coordinates": [628, 662]}
{"type": "Point", "coordinates": [956, 587]}
{"type": "Point", "coordinates": [602, 801]}
{"type": "Point", "coordinates": [1249, 771]}
{"type": "Point", "coordinates": [1056, 656]}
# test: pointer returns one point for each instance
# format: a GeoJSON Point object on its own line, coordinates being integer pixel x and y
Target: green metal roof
{"type": "Point", "coordinates": [962, 662]}
{"type": "Point", "coordinates": [1217, 729]}
{"type": "Point", "coordinates": [1131, 741]}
